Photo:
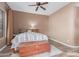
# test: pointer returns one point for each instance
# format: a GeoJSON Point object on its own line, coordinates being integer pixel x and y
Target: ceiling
{"type": "Point", "coordinates": [51, 7]}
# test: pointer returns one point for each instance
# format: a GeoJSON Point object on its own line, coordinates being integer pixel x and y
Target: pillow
{"type": "Point", "coordinates": [33, 48]}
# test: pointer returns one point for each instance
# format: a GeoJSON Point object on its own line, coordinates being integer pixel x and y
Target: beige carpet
{"type": "Point", "coordinates": [68, 54]}
{"type": "Point", "coordinates": [7, 53]}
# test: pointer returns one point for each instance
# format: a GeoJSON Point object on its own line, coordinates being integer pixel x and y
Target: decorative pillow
{"type": "Point", "coordinates": [32, 48]}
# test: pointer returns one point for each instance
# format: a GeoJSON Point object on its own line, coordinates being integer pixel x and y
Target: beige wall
{"type": "Point", "coordinates": [3, 7]}
{"type": "Point", "coordinates": [61, 24]}
{"type": "Point", "coordinates": [23, 19]}
{"type": "Point", "coordinates": [77, 27]}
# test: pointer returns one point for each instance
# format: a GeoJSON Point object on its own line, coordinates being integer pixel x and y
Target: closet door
{"type": "Point", "coordinates": [9, 27]}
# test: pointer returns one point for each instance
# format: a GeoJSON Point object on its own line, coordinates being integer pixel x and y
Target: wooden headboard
{"type": "Point", "coordinates": [33, 30]}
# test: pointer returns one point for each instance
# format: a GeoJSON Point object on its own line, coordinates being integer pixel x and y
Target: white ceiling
{"type": "Point", "coordinates": [50, 8]}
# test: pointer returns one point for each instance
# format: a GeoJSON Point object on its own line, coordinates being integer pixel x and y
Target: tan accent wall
{"type": "Point", "coordinates": [3, 7]}
{"type": "Point", "coordinates": [61, 24]}
{"type": "Point", "coordinates": [22, 20]}
{"type": "Point", "coordinates": [77, 27]}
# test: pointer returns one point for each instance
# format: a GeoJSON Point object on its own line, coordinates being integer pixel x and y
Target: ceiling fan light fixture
{"type": "Point", "coordinates": [39, 4]}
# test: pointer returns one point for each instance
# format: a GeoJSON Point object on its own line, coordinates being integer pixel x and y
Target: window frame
{"type": "Point", "coordinates": [4, 17]}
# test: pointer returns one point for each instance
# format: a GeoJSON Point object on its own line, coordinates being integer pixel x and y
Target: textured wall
{"type": "Point", "coordinates": [61, 24]}
{"type": "Point", "coordinates": [23, 20]}
{"type": "Point", "coordinates": [77, 27]}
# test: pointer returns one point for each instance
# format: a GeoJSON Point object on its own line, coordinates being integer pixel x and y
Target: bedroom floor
{"type": "Point", "coordinates": [6, 52]}
{"type": "Point", "coordinates": [57, 52]}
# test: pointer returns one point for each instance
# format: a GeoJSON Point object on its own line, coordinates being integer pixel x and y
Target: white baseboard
{"type": "Point", "coordinates": [71, 46]}
{"type": "Point", "coordinates": [3, 47]}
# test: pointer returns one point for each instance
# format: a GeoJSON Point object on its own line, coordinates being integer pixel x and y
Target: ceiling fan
{"type": "Point", "coordinates": [39, 5]}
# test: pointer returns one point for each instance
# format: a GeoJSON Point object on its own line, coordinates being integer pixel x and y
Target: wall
{"type": "Point", "coordinates": [77, 27]}
{"type": "Point", "coordinates": [61, 24]}
{"type": "Point", "coordinates": [23, 19]}
{"type": "Point", "coordinates": [3, 7]}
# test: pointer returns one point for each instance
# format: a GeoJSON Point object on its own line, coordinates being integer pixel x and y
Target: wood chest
{"type": "Point", "coordinates": [32, 48]}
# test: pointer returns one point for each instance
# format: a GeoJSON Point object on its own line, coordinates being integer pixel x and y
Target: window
{"type": "Point", "coordinates": [2, 23]}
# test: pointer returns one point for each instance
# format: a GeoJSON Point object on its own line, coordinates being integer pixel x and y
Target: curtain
{"type": "Point", "coordinates": [9, 26]}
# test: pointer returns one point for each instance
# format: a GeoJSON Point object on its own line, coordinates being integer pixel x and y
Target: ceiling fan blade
{"type": "Point", "coordinates": [37, 8]}
{"type": "Point", "coordinates": [43, 8]}
{"type": "Point", "coordinates": [31, 5]}
{"type": "Point", "coordinates": [44, 3]}
{"type": "Point", "coordinates": [37, 2]}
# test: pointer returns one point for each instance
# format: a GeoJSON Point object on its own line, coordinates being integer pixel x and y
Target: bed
{"type": "Point", "coordinates": [30, 43]}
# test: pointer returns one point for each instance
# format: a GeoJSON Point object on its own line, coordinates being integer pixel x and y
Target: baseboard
{"type": "Point", "coordinates": [3, 47]}
{"type": "Point", "coordinates": [71, 46]}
